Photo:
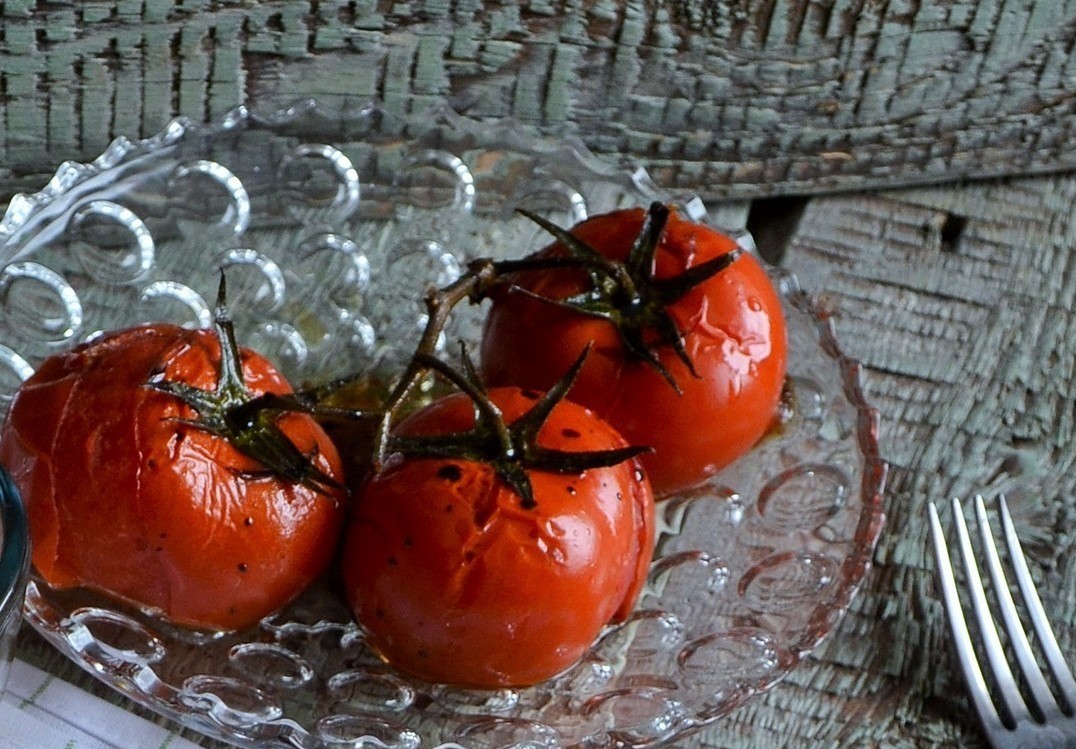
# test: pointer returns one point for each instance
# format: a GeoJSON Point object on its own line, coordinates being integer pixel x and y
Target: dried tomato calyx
{"type": "Point", "coordinates": [509, 449]}
{"type": "Point", "coordinates": [246, 421]}
{"type": "Point", "coordinates": [626, 293]}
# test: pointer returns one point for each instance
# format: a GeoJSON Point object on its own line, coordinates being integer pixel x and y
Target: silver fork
{"type": "Point", "coordinates": [1045, 718]}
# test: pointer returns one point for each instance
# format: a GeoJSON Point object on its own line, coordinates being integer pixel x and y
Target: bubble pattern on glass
{"type": "Point", "coordinates": [327, 252]}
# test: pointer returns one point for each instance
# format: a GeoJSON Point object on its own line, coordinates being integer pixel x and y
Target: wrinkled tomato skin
{"type": "Point", "coordinates": [456, 582]}
{"type": "Point", "coordinates": [125, 499]}
{"type": "Point", "coordinates": [734, 332]}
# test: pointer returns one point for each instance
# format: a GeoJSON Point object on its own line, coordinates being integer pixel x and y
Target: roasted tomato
{"type": "Point", "coordinates": [689, 337]}
{"type": "Point", "coordinates": [459, 579]}
{"type": "Point", "coordinates": [132, 492]}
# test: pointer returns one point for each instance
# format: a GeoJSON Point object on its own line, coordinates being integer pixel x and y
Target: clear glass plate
{"type": "Point", "coordinates": [331, 227]}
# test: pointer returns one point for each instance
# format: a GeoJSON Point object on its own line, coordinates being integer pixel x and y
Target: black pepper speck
{"type": "Point", "coordinates": [450, 472]}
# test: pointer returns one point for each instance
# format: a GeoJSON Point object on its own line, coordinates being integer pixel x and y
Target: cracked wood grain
{"type": "Point", "coordinates": [740, 99]}
{"type": "Point", "coordinates": [968, 348]}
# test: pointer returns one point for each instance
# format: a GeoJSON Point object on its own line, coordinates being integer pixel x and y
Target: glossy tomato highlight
{"type": "Point", "coordinates": [733, 332]}
{"type": "Point", "coordinates": [126, 498]}
{"type": "Point", "coordinates": [456, 580]}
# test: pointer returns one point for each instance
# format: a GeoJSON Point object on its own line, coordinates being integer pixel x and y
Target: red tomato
{"type": "Point", "coordinates": [733, 331]}
{"type": "Point", "coordinates": [125, 498]}
{"type": "Point", "coordinates": [457, 581]}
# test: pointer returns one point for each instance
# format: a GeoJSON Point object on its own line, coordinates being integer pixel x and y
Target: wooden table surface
{"type": "Point", "coordinates": [957, 297]}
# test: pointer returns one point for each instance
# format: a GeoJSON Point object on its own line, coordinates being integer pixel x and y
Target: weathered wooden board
{"type": "Point", "coordinates": [742, 98]}
{"type": "Point", "coordinates": [959, 303]}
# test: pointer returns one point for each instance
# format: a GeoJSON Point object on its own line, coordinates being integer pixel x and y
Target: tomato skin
{"type": "Point", "coordinates": [456, 582]}
{"type": "Point", "coordinates": [125, 499]}
{"type": "Point", "coordinates": [734, 333]}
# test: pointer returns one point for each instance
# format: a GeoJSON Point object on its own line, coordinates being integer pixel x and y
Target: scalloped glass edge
{"type": "Point", "coordinates": [27, 212]}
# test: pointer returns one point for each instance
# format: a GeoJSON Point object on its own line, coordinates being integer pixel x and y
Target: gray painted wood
{"type": "Point", "coordinates": [742, 98]}
{"type": "Point", "coordinates": [967, 342]}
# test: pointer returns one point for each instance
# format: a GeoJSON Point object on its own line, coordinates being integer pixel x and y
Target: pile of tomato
{"type": "Point", "coordinates": [487, 537]}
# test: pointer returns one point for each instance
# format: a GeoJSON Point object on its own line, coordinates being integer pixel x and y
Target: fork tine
{"type": "Point", "coordinates": [1021, 646]}
{"type": "Point", "coordinates": [1011, 699]}
{"type": "Point", "coordinates": [1043, 630]}
{"type": "Point", "coordinates": [977, 689]}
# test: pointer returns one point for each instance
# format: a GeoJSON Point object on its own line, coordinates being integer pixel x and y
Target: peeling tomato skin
{"type": "Point", "coordinates": [455, 581]}
{"type": "Point", "coordinates": [734, 332]}
{"type": "Point", "coordinates": [124, 498]}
